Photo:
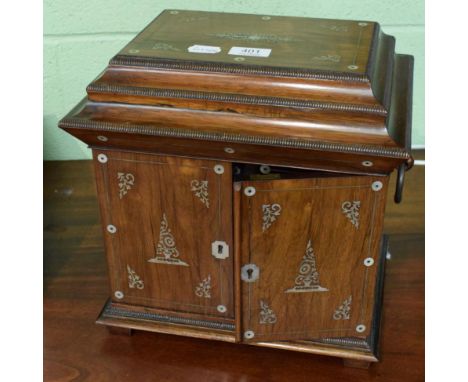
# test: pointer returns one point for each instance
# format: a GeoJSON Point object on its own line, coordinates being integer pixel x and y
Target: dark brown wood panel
{"type": "Point", "coordinates": [160, 217]}
{"type": "Point", "coordinates": [315, 244]}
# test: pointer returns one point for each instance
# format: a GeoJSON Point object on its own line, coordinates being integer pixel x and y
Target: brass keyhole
{"type": "Point", "coordinates": [249, 273]}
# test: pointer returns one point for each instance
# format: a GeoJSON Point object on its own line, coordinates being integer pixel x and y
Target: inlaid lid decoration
{"type": "Point", "coordinates": [275, 41]}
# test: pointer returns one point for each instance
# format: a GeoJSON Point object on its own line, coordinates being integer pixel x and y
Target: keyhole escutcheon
{"type": "Point", "coordinates": [250, 273]}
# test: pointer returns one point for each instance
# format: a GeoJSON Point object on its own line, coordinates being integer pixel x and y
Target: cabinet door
{"type": "Point", "coordinates": [168, 231]}
{"type": "Point", "coordinates": [309, 251]}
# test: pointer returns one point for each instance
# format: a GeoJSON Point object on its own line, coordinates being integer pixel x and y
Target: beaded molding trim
{"type": "Point", "coordinates": [346, 342]}
{"type": "Point", "coordinates": [236, 98]}
{"type": "Point", "coordinates": [204, 66]}
{"type": "Point", "coordinates": [110, 311]}
{"type": "Point", "coordinates": [77, 123]}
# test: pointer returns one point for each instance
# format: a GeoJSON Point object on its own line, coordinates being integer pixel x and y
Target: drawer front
{"type": "Point", "coordinates": [309, 256]}
{"type": "Point", "coordinates": [168, 232]}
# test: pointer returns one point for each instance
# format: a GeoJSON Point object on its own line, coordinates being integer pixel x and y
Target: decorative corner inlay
{"type": "Point", "coordinates": [377, 186]}
{"type": "Point", "coordinates": [102, 158]}
{"type": "Point", "coordinates": [361, 328]}
{"type": "Point", "coordinates": [204, 288]}
{"type": "Point", "coordinates": [308, 278]}
{"type": "Point", "coordinates": [267, 316]}
{"type": "Point", "coordinates": [221, 308]}
{"type": "Point", "coordinates": [351, 211]}
{"type": "Point", "coordinates": [270, 214]}
{"type": "Point", "coordinates": [200, 188]}
{"type": "Point", "coordinates": [118, 294]}
{"type": "Point", "coordinates": [134, 280]}
{"type": "Point", "coordinates": [344, 310]}
{"type": "Point", "coordinates": [126, 182]}
{"type": "Point", "coordinates": [166, 248]}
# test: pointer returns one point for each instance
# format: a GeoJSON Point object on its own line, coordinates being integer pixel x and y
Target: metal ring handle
{"type": "Point", "coordinates": [400, 183]}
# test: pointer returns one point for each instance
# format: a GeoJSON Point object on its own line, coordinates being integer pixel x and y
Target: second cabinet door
{"type": "Point", "coordinates": [309, 254]}
{"type": "Point", "coordinates": [168, 232]}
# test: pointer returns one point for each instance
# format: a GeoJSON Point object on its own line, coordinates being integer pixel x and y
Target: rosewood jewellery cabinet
{"type": "Point", "coordinates": [242, 164]}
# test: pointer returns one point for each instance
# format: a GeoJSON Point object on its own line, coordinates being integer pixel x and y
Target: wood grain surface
{"type": "Point", "coordinates": [310, 256]}
{"type": "Point", "coordinates": [76, 286]}
{"type": "Point", "coordinates": [164, 231]}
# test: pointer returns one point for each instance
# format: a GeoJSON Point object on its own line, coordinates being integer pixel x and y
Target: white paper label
{"type": "Point", "coordinates": [252, 52]}
{"type": "Point", "coordinates": [204, 49]}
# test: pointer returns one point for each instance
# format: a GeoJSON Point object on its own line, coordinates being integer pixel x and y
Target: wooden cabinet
{"type": "Point", "coordinates": [306, 254]}
{"type": "Point", "coordinates": [242, 164]}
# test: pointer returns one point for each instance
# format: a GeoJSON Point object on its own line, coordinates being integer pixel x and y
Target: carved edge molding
{"type": "Point", "coordinates": [344, 342]}
{"type": "Point", "coordinates": [237, 98]}
{"type": "Point", "coordinates": [207, 66]}
{"type": "Point", "coordinates": [78, 123]}
{"type": "Point", "coordinates": [110, 311]}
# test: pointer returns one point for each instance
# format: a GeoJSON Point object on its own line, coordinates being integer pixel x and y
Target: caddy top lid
{"type": "Point", "coordinates": [328, 85]}
{"type": "Point", "coordinates": [294, 43]}
{"type": "Point", "coordinates": [335, 61]}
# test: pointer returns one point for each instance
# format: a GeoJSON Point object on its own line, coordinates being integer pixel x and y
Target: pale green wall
{"type": "Point", "coordinates": [81, 36]}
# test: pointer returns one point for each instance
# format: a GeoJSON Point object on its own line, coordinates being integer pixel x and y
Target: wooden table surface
{"type": "Point", "coordinates": [75, 289]}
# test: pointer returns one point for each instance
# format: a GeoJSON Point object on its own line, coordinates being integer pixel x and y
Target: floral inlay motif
{"type": "Point", "coordinates": [270, 214]}
{"type": "Point", "coordinates": [200, 188]}
{"type": "Point", "coordinates": [336, 28]}
{"type": "Point", "coordinates": [308, 278]}
{"type": "Point", "coordinates": [134, 280]}
{"type": "Point", "coordinates": [351, 210]}
{"type": "Point", "coordinates": [344, 311]}
{"type": "Point", "coordinates": [254, 37]}
{"type": "Point", "coordinates": [126, 182]}
{"type": "Point", "coordinates": [328, 57]}
{"type": "Point", "coordinates": [204, 288]}
{"type": "Point", "coordinates": [165, 46]}
{"type": "Point", "coordinates": [267, 316]}
{"type": "Point", "coordinates": [166, 250]}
